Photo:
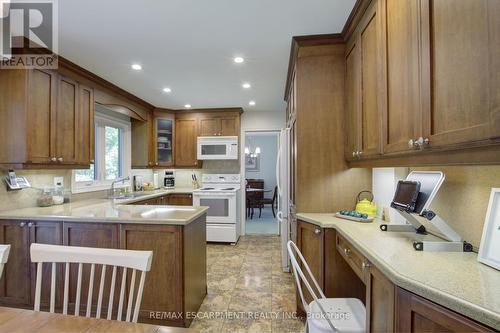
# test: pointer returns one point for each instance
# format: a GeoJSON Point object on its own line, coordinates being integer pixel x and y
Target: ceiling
{"type": "Point", "coordinates": [189, 46]}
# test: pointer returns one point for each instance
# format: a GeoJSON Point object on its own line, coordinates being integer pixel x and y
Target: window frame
{"type": "Point", "coordinates": [100, 183]}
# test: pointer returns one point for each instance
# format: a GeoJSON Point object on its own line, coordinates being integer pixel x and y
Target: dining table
{"type": "Point", "coordinates": [14, 320]}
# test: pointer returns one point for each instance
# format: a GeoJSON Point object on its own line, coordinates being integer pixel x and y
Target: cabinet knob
{"type": "Point", "coordinates": [359, 154]}
{"type": "Point", "coordinates": [92, 161]}
{"type": "Point", "coordinates": [30, 224]}
{"type": "Point", "coordinates": [420, 142]}
{"type": "Point", "coordinates": [411, 143]}
{"type": "Point", "coordinates": [347, 251]}
{"type": "Point", "coordinates": [22, 224]}
{"type": "Point", "coordinates": [156, 163]}
{"type": "Point", "coordinates": [317, 231]}
{"type": "Point", "coordinates": [353, 154]}
{"type": "Point", "coordinates": [365, 264]}
{"type": "Point", "coordinates": [53, 159]}
{"type": "Point", "coordinates": [60, 159]}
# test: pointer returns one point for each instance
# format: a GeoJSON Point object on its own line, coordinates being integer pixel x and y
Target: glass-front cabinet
{"type": "Point", "coordinates": [163, 138]}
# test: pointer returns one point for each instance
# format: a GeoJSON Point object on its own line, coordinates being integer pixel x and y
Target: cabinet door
{"type": "Point", "coordinates": [229, 126]}
{"type": "Point", "coordinates": [370, 122]}
{"type": "Point", "coordinates": [186, 133]}
{"type": "Point", "coordinates": [164, 136]}
{"type": "Point", "coordinates": [458, 61]}
{"type": "Point", "coordinates": [85, 126]}
{"type": "Point", "coordinates": [46, 233]}
{"type": "Point", "coordinates": [400, 79]}
{"type": "Point", "coordinates": [40, 118]}
{"type": "Point", "coordinates": [142, 143]}
{"type": "Point", "coordinates": [164, 283]}
{"type": "Point", "coordinates": [65, 129]}
{"type": "Point", "coordinates": [416, 314]}
{"type": "Point", "coordinates": [15, 282]}
{"type": "Point", "coordinates": [180, 199]}
{"type": "Point", "coordinates": [310, 241]}
{"type": "Point", "coordinates": [353, 100]}
{"type": "Point", "coordinates": [210, 127]}
{"type": "Point", "coordinates": [380, 300]}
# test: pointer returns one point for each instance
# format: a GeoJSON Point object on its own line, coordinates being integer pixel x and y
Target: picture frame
{"type": "Point", "coordinates": [252, 163]}
{"type": "Point", "coordinates": [489, 249]}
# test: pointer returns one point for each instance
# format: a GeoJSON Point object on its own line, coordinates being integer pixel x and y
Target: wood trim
{"type": "Point", "coordinates": [123, 110]}
{"type": "Point", "coordinates": [206, 110]}
{"type": "Point", "coordinates": [354, 18]}
{"type": "Point", "coordinates": [305, 41]}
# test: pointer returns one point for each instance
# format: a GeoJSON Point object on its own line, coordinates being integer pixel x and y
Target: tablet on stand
{"type": "Point", "coordinates": [413, 198]}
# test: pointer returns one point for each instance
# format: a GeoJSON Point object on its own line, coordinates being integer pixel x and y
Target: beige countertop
{"type": "Point", "coordinates": [112, 211]}
{"type": "Point", "coordinates": [455, 280]}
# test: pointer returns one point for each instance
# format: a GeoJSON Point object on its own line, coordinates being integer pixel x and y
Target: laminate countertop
{"type": "Point", "coordinates": [454, 280]}
{"type": "Point", "coordinates": [112, 211]}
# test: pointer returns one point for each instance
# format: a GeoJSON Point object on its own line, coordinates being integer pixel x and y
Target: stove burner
{"type": "Point", "coordinates": [228, 189]}
{"type": "Point", "coordinates": [207, 189]}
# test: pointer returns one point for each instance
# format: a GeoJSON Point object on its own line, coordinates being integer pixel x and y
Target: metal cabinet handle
{"type": "Point", "coordinates": [353, 154]}
{"type": "Point", "coordinates": [60, 159]}
{"type": "Point", "coordinates": [22, 224]}
{"type": "Point", "coordinates": [365, 264]}
{"type": "Point", "coordinates": [359, 154]}
{"type": "Point", "coordinates": [411, 143]}
{"type": "Point", "coordinates": [347, 251]}
{"type": "Point", "coordinates": [317, 231]}
{"type": "Point", "coordinates": [53, 159]}
{"type": "Point", "coordinates": [30, 224]}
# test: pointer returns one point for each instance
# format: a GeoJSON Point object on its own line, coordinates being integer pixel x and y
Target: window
{"type": "Point", "coordinates": [112, 156]}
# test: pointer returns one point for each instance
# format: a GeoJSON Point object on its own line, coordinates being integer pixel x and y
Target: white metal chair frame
{"type": "Point", "coordinates": [127, 259]}
{"type": "Point", "coordinates": [4, 256]}
{"type": "Point", "coordinates": [299, 275]}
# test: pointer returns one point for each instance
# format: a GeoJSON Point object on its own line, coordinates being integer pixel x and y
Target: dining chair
{"type": "Point", "coordinates": [325, 314]}
{"type": "Point", "coordinates": [269, 201]}
{"type": "Point", "coordinates": [67, 255]}
{"type": "Point", "coordinates": [4, 256]}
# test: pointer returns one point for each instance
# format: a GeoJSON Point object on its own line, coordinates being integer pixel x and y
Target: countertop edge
{"type": "Point", "coordinates": [473, 311]}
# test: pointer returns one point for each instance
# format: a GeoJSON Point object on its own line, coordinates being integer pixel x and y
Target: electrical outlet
{"type": "Point", "coordinates": [59, 182]}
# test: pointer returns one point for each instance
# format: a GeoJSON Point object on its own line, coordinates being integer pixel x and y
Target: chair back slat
{"type": "Point", "coordinates": [4, 256]}
{"type": "Point", "coordinates": [126, 259]}
{"type": "Point", "coordinates": [66, 289]}
{"type": "Point", "coordinates": [53, 288]}
{"type": "Point", "coordinates": [111, 294]}
{"type": "Point", "coordinates": [101, 291]}
{"type": "Point", "coordinates": [122, 294]}
{"type": "Point", "coordinates": [130, 296]}
{"type": "Point", "coordinates": [91, 291]}
{"type": "Point", "coordinates": [78, 289]}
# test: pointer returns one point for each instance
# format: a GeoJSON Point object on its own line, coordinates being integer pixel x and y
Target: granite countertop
{"type": "Point", "coordinates": [455, 280]}
{"type": "Point", "coordinates": [112, 211]}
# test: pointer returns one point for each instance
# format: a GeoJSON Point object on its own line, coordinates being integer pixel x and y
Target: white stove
{"type": "Point", "coordinates": [221, 193]}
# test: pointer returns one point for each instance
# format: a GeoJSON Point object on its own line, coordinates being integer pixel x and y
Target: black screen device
{"type": "Point", "coordinates": [406, 195]}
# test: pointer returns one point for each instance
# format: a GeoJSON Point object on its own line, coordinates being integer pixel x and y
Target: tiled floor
{"type": "Point", "coordinates": [247, 291]}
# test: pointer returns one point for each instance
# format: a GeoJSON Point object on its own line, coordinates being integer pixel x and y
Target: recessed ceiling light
{"type": "Point", "coordinates": [238, 60]}
{"type": "Point", "coordinates": [246, 85]}
{"type": "Point", "coordinates": [187, 106]}
{"type": "Point", "coordinates": [136, 67]}
{"type": "Point", "coordinates": [251, 103]}
{"type": "Point", "coordinates": [167, 90]}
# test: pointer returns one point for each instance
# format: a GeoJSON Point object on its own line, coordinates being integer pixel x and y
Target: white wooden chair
{"type": "Point", "coordinates": [127, 259]}
{"type": "Point", "coordinates": [4, 256]}
{"type": "Point", "coordinates": [326, 314]}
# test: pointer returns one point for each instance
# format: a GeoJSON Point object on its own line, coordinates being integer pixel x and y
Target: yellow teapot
{"type": "Point", "coordinates": [366, 206]}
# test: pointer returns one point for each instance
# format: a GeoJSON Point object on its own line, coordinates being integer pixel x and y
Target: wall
{"type": "Point", "coordinates": [463, 198]}
{"type": "Point", "coordinates": [268, 144]}
{"type": "Point", "coordinates": [262, 120]}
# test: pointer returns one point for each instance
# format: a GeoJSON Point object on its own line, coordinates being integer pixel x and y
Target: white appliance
{"type": "Point", "coordinates": [284, 215]}
{"type": "Point", "coordinates": [221, 193]}
{"type": "Point", "coordinates": [217, 148]}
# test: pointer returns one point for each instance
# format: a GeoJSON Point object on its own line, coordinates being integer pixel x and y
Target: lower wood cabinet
{"type": "Point", "coordinates": [172, 199]}
{"type": "Point", "coordinates": [343, 272]}
{"type": "Point", "coordinates": [176, 283]}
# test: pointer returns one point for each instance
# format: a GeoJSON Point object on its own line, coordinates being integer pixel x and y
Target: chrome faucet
{"type": "Point", "coordinates": [118, 180]}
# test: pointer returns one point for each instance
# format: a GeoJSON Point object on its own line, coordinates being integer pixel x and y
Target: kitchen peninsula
{"type": "Point", "coordinates": [176, 284]}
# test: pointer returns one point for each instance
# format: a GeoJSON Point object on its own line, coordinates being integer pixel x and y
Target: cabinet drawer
{"type": "Point", "coordinates": [351, 256]}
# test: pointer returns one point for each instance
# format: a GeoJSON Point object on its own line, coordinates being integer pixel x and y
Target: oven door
{"type": "Point", "coordinates": [222, 207]}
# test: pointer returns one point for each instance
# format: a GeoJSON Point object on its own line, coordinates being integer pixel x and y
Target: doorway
{"type": "Point", "coordinates": [260, 157]}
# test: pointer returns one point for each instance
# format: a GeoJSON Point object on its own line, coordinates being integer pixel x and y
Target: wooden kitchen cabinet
{"type": "Point", "coordinates": [163, 140]}
{"type": "Point", "coordinates": [180, 199]}
{"type": "Point", "coordinates": [186, 130]}
{"type": "Point", "coordinates": [17, 284]}
{"type": "Point", "coordinates": [220, 125]}
{"type": "Point", "coordinates": [142, 146]}
{"type": "Point", "coordinates": [416, 314]}
{"type": "Point", "coordinates": [48, 120]}
{"type": "Point", "coordinates": [363, 124]}
{"type": "Point", "coordinates": [380, 301]}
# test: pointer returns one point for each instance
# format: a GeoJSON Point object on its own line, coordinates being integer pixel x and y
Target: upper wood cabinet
{"type": "Point", "coordinates": [186, 135]}
{"type": "Point", "coordinates": [220, 124]}
{"type": "Point", "coordinates": [163, 140]}
{"type": "Point", "coordinates": [142, 146]}
{"type": "Point", "coordinates": [49, 120]}
{"type": "Point", "coordinates": [362, 75]}
{"type": "Point", "coordinates": [460, 71]}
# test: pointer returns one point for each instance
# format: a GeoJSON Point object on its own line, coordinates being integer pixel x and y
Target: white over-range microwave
{"type": "Point", "coordinates": [217, 147]}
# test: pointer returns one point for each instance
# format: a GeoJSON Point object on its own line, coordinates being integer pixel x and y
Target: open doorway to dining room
{"type": "Point", "coordinates": [260, 195]}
